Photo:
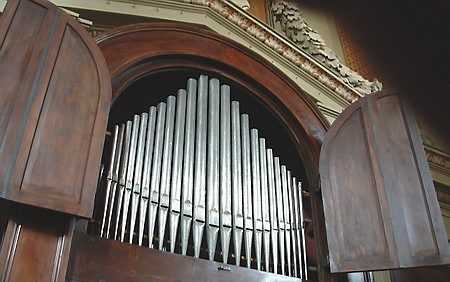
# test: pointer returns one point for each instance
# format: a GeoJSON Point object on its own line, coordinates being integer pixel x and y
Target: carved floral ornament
{"type": "Point", "coordinates": [302, 46]}
{"type": "Point", "coordinates": [296, 28]}
{"type": "Point", "coordinates": [345, 82]}
{"type": "Point", "coordinates": [438, 158]}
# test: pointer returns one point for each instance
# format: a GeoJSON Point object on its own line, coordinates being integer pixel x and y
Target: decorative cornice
{"type": "Point", "coordinates": [297, 29]}
{"type": "Point", "coordinates": [291, 56]}
{"type": "Point", "coordinates": [305, 61]}
{"type": "Point", "coordinates": [243, 4]}
{"type": "Point", "coordinates": [438, 158]}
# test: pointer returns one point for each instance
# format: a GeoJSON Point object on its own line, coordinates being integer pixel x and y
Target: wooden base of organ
{"type": "Point", "coordinates": [98, 259]}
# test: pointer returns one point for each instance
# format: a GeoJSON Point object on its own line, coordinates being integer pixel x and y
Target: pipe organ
{"type": "Point", "coordinates": [189, 176]}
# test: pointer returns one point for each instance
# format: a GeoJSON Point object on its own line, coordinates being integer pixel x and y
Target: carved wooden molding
{"type": "Point", "coordinates": [294, 54]}
{"type": "Point", "coordinates": [438, 158]}
{"type": "Point", "coordinates": [297, 29]}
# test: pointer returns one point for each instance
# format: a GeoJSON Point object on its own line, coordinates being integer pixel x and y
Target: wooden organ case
{"type": "Point", "coordinates": [374, 208]}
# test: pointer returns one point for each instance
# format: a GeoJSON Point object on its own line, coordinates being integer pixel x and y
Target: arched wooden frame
{"type": "Point", "coordinates": [134, 51]}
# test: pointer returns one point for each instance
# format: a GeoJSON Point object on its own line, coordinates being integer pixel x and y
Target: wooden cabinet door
{"type": "Point", "coordinates": [55, 98]}
{"type": "Point", "coordinates": [381, 210]}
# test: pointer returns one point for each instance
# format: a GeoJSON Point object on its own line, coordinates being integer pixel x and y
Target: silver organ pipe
{"type": "Point", "coordinates": [225, 171]}
{"type": "Point", "coordinates": [200, 165]}
{"type": "Point", "coordinates": [109, 205]}
{"type": "Point", "coordinates": [280, 212]}
{"type": "Point", "coordinates": [129, 178]}
{"type": "Point", "coordinates": [188, 165]}
{"type": "Point", "coordinates": [109, 178]}
{"type": "Point", "coordinates": [194, 164]}
{"type": "Point", "coordinates": [212, 181]}
{"type": "Point", "coordinates": [145, 192]}
{"type": "Point", "coordinates": [123, 172]}
{"type": "Point", "coordinates": [287, 221]}
{"type": "Point", "coordinates": [265, 211]}
{"type": "Point", "coordinates": [302, 224]}
{"type": "Point", "coordinates": [273, 209]}
{"type": "Point", "coordinates": [246, 187]}
{"type": "Point", "coordinates": [175, 193]}
{"type": "Point", "coordinates": [166, 169]}
{"type": "Point", "coordinates": [256, 192]}
{"type": "Point", "coordinates": [297, 242]}
{"type": "Point", "coordinates": [138, 174]}
{"type": "Point", "coordinates": [237, 193]}
{"type": "Point", "coordinates": [156, 171]}
{"type": "Point", "coordinates": [293, 225]}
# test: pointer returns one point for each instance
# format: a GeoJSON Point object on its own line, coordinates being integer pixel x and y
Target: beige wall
{"type": "Point", "coordinates": [325, 25]}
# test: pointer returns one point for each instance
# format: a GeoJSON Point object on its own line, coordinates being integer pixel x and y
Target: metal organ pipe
{"type": "Point", "coordinates": [166, 169]}
{"type": "Point", "coordinates": [111, 203]}
{"type": "Point", "coordinates": [265, 213]}
{"type": "Point", "coordinates": [188, 165]}
{"type": "Point", "coordinates": [236, 172]}
{"type": "Point", "coordinates": [200, 164]}
{"type": "Point", "coordinates": [156, 171]}
{"type": "Point", "coordinates": [109, 178]}
{"type": "Point", "coordinates": [212, 174]}
{"type": "Point", "coordinates": [145, 192]}
{"type": "Point", "coordinates": [225, 171]}
{"type": "Point", "coordinates": [195, 160]}
{"type": "Point", "coordinates": [138, 174]}
{"type": "Point", "coordinates": [175, 193]}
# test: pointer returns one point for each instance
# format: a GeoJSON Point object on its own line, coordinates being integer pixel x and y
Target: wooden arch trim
{"type": "Point", "coordinates": [134, 51]}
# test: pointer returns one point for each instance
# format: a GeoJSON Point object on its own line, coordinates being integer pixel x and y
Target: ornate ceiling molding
{"type": "Point", "coordinates": [346, 86]}
{"type": "Point", "coordinates": [244, 4]}
{"type": "Point", "coordinates": [339, 84]}
{"type": "Point", "coordinates": [439, 159]}
{"type": "Point", "coordinates": [297, 29]}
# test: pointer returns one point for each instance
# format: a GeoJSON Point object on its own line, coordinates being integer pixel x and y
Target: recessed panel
{"type": "Point", "coordinates": [408, 182]}
{"type": "Point", "coordinates": [62, 140]}
{"type": "Point", "coordinates": [354, 196]}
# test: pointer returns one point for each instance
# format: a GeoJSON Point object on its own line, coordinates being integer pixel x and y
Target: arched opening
{"type": "Point", "coordinates": [156, 86]}
{"type": "Point", "coordinates": [149, 62]}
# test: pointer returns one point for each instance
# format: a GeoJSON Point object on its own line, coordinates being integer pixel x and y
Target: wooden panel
{"type": "Point", "coordinates": [380, 207]}
{"type": "Point", "coordinates": [258, 9]}
{"type": "Point", "coordinates": [434, 274]}
{"type": "Point", "coordinates": [98, 259]}
{"type": "Point", "coordinates": [15, 55]}
{"type": "Point", "coordinates": [361, 176]}
{"type": "Point", "coordinates": [36, 245]}
{"type": "Point", "coordinates": [56, 111]}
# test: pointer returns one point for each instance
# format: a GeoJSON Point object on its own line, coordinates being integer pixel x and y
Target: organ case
{"type": "Point", "coordinates": [40, 99]}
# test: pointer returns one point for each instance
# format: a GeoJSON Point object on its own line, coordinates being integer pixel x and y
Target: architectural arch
{"type": "Point", "coordinates": [134, 51]}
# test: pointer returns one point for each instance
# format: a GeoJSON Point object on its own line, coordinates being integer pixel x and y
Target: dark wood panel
{"type": "Point", "coordinates": [432, 274]}
{"type": "Point", "coordinates": [36, 245]}
{"type": "Point", "coordinates": [21, 67]}
{"type": "Point", "coordinates": [98, 259]}
{"type": "Point", "coordinates": [414, 221]}
{"type": "Point", "coordinates": [380, 207]}
{"type": "Point", "coordinates": [16, 55]}
{"type": "Point", "coordinates": [351, 221]}
{"type": "Point", "coordinates": [57, 111]}
{"type": "Point", "coordinates": [67, 117]}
